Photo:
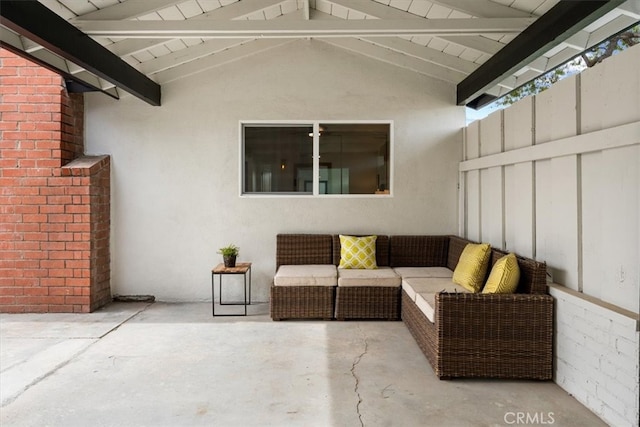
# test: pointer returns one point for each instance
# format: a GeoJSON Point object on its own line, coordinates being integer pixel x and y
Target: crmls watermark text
{"type": "Point", "coordinates": [529, 418]}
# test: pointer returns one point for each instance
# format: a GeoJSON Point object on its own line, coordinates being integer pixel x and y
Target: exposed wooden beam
{"type": "Point", "coordinates": [424, 53]}
{"type": "Point", "coordinates": [220, 48]}
{"type": "Point", "coordinates": [136, 8]}
{"type": "Point", "coordinates": [128, 47]}
{"type": "Point", "coordinates": [380, 11]}
{"type": "Point", "coordinates": [221, 58]}
{"type": "Point", "coordinates": [302, 29]}
{"type": "Point", "coordinates": [36, 22]}
{"type": "Point", "coordinates": [236, 10]}
{"type": "Point", "coordinates": [481, 44]}
{"type": "Point", "coordinates": [128, 9]}
{"type": "Point", "coordinates": [483, 8]}
{"type": "Point", "coordinates": [190, 54]}
{"type": "Point", "coordinates": [401, 45]}
{"type": "Point", "coordinates": [18, 45]}
{"type": "Point", "coordinates": [397, 59]}
{"type": "Point", "coordinates": [558, 24]}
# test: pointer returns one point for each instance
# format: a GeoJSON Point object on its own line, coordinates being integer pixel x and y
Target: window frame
{"type": "Point", "coordinates": [316, 158]}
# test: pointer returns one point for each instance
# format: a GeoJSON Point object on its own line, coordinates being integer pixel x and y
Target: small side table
{"type": "Point", "coordinates": [220, 270]}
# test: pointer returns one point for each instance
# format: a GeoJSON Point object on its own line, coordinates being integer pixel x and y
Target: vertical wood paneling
{"type": "Point", "coordinates": [611, 93]}
{"type": "Point", "coordinates": [473, 141]}
{"type": "Point", "coordinates": [519, 208]}
{"type": "Point", "coordinates": [579, 213]}
{"type": "Point", "coordinates": [491, 134]}
{"type": "Point", "coordinates": [556, 218]}
{"type": "Point", "coordinates": [593, 182]}
{"type": "Point", "coordinates": [518, 124]}
{"type": "Point", "coordinates": [473, 205]}
{"type": "Point", "coordinates": [491, 206]}
{"type": "Point", "coordinates": [556, 112]}
{"type": "Point", "coordinates": [611, 217]}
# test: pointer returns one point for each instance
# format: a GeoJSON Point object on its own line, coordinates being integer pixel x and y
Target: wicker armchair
{"type": "Point", "coordinates": [303, 302]}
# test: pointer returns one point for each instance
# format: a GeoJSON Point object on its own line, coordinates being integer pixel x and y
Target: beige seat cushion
{"type": "Point", "coordinates": [423, 291]}
{"type": "Point", "coordinates": [306, 275]}
{"type": "Point", "coordinates": [416, 285]}
{"type": "Point", "coordinates": [405, 272]}
{"type": "Point", "coordinates": [426, 303]}
{"type": "Point", "coordinates": [383, 276]}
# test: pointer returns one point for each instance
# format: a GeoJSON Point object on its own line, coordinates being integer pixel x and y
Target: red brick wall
{"type": "Point", "coordinates": [54, 211]}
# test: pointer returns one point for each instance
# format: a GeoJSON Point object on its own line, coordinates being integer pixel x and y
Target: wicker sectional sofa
{"type": "Point", "coordinates": [462, 334]}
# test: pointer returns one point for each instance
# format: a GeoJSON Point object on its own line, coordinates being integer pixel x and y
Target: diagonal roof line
{"type": "Point", "coordinates": [561, 22]}
{"type": "Point", "coordinates": [16, 43]}
{"type": "Point", "coordinates": [38, 23]}
{"type": "Point", "coordinates": [233, 11]}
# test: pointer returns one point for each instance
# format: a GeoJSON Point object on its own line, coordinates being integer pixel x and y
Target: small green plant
{"type": "Point", "coordinates": [230, 250]}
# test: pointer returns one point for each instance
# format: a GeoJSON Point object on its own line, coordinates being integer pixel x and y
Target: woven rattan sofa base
{"type": "Point", "coordinates": [485, 336]}
{"type": "Point", "coordinates": [302, 302]}
{"type": "Point", "coordinates": [368, 302]}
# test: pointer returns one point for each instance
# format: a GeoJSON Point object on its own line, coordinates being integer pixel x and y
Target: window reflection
{"type": "Point", "coordinates": [354, 158]}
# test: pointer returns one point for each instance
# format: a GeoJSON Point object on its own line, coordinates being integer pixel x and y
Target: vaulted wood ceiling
{"type": "Point", "coordinates": [485, 47]}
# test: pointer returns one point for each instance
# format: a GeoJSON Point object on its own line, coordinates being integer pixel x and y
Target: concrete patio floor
{"type": "Point", "coordinates": [138, 364]}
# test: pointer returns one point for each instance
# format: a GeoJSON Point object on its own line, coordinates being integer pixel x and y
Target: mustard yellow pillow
{"type": "Point", "coordinates": [472, 266]}
{"type": "Point", "coordinates": [504, 276]}
{"type": "Point", "coordinates": [358, 252]}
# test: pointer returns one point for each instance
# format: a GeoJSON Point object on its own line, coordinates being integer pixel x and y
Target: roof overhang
{"type": "Point", "coordinates": [561, 22]}
{"type": "Point", "coordinates": [38, 23]}
{"type": "Point", "coordinates": [483, 47]}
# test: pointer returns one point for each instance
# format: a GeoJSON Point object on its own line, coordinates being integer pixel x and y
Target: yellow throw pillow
{"type": "Point", "coordinates": [358, 252]}
{"type": "Point", "coordinates": [504, 276]}
{"type": "Point", "coordinates": [472, 266]}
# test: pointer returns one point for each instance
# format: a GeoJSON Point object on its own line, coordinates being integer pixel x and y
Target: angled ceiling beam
{"type": "Point", "coordinates": [428, 54]}
{"type": "Point", "coordinates": [481, 44]}
{"type": "Point", "coordinates": [401, 45]}
{"type": "Point", "coordinates": [482, 8]}
{"type": "Point", "coordinates": [49, 60]}
{"type": "Point", "coordinates": [558, 24]}
{"type": "Point", "coordinates": [134, 9]}
{"type": "Point", "coordinates": [389, 56]}
{"type": "Point", "coordinates": [236, 10]}
{"type": "Point", "coordinates": [189, 54]}
{"type": "Point", "coordinates": [128, 9]}
{"type": "Point", "coordinates": [301, 29]}
{"type": "Point", "coordinates": [36, 22]}
{"type": "Point", "coordinates": [380, 11]}
{"type": "Point", "coordinates": [477, 8]}
{"type": "Point", "coordinates": [202, 50]}
{"type": "Point", "coordinates": [225, 57]}
{"type": "Point", "coordinates": [212, 53]}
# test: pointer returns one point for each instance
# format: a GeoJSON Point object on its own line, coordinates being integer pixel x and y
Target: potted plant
{"type": "Point", "coordinates": [229, 254]}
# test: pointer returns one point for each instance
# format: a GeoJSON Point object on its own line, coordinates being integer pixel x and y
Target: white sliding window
{"type": "Point", "coordinates": [316, 158]}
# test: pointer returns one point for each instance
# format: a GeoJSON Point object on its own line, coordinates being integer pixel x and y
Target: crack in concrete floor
{"type": "Point", "coordinates": [355, 363]}
{"type": "Point", "coordinates": [358, 378]}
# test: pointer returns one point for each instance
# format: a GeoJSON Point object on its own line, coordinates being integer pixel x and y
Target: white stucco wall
{"type": "Point", "coordinates": [175, 168]}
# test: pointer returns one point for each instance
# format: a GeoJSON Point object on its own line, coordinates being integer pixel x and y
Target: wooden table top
{"type": "Point", "coordinates": [240, 268]}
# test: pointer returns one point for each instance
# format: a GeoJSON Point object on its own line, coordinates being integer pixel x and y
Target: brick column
{"type": "Point", "coordinates": [54, 204]}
